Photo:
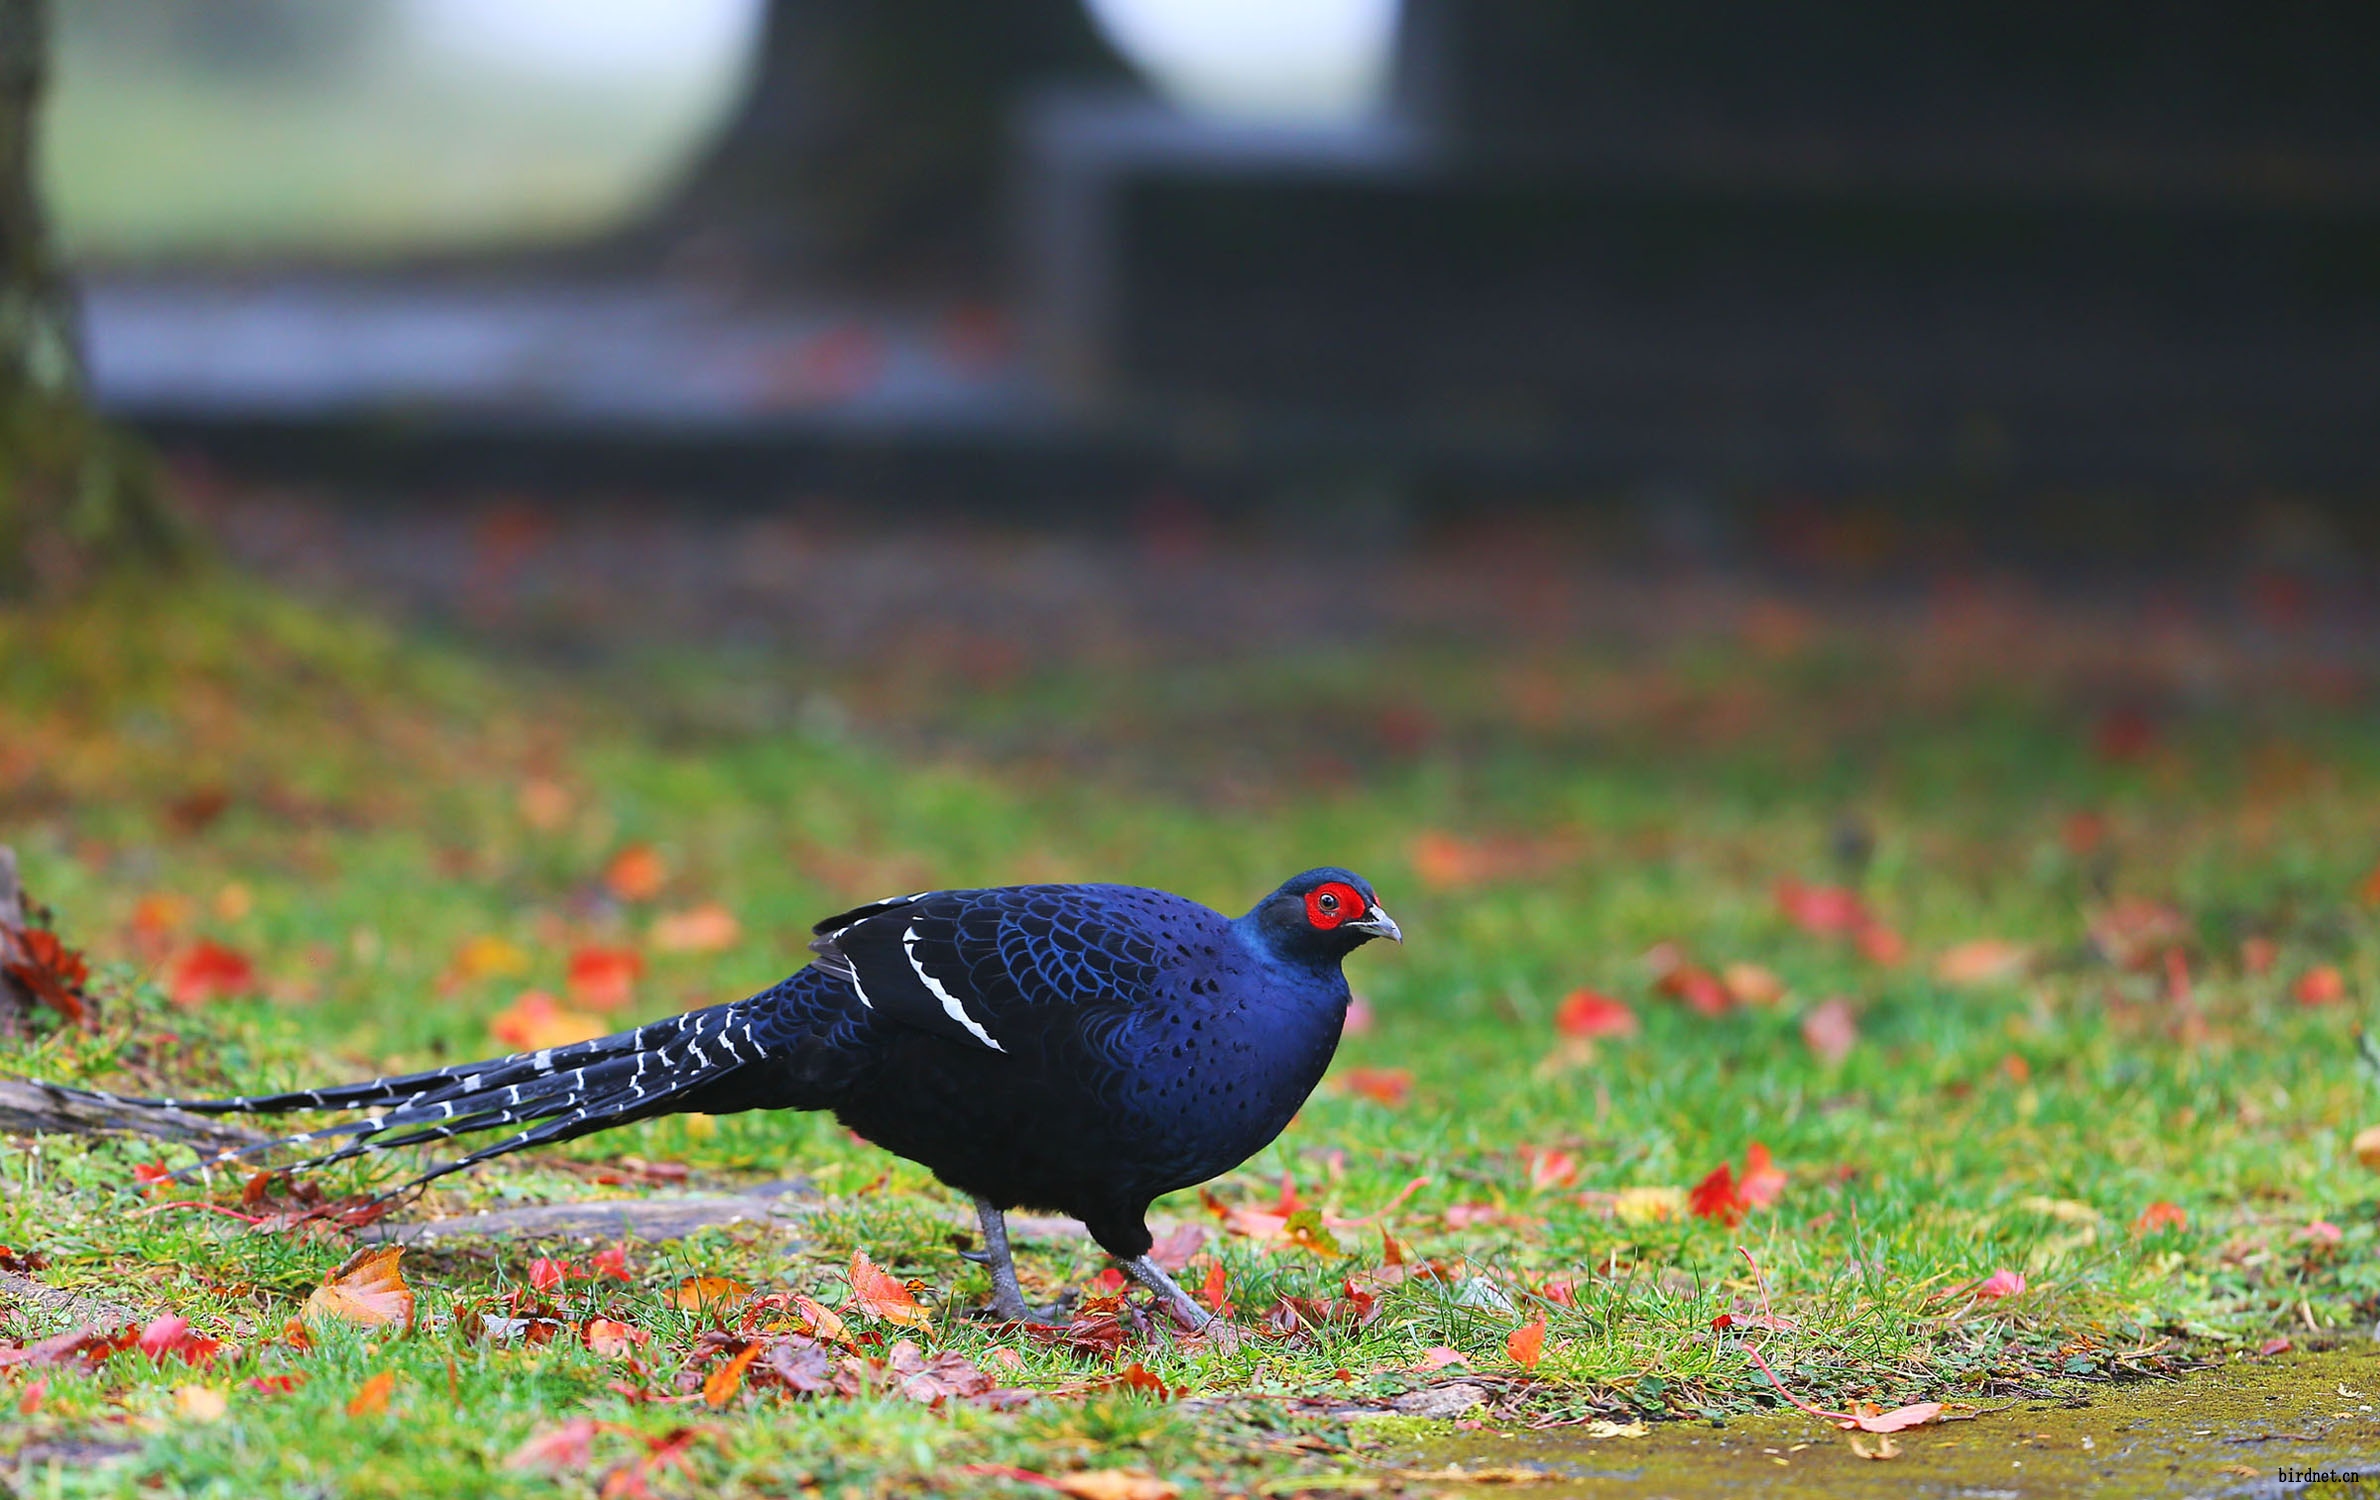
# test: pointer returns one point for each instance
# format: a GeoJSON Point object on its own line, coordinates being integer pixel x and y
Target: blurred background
{"type": "Point", "coordinates": [1046, 252]}
{"type": "Point", "coordinates": [984, 335]}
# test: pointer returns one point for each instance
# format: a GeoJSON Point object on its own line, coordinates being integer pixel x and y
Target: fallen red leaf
{"type": "Point", "coordinates": [1752, 984]}
{"type": "Point", "coordinates": [1763, 1182]}
{"type": "Point", "coordinates": [1998, 1285]}
{"type": "Point", "coordinates": [720, 1386]}
{"type": "Point", "coordinates": [371, 1398]}
{"type": "Point", "coordinates": [1390, 1086]}
{"type": "Point", "coordinates": [546, 1273]}
{"type": "Point", "coordinates": [603, 978]}
{"type": "Point", "coordinates": [558, 1449]}
{"type": "Point", "coordinates": [90, 1347]}
{"type": "Point", "coordinates": [2321, 985]}
{"type": "Point", "coordinates": [702, 1293]}
{"type": "Point", "coordinates": [1879, 944]}
{"type": "Point", "coordinates": [1981, 961]}
{"type": "Point", "coordinates": [208, 971]}
{"type": "Point", "coordinates": [1216, 1293]}
{"type": "Point", "coordinates": [1174, 1250]}
{"type": "Point", "coordinates": [709, 928]}
{"type": "Point", "coordinates": [2159, 1216]}
{"type": "Point", "coordinates": [878, 1294]}
{"type": "Point", "coordinates": [1698, 987]}
{"type": "Point", "coordinates": [1254, 1223]}
{"type": "Point", "coordinates": [608, 1338]}
{"type": "Point", "coordinates": [636, 873]}
{"type": "Point", "coordinates": [1549, 1169]}
{"type": "Point", "coordinates": [612, 1262]}
{"type": "Point", "coordinates": [1526, 1344]}
{"type": "Point", "coordinates": [1830, 1030]}
{"type": "Point", "coordinates": [1715, 1197]}
{"type": "Point", "coordinates": [1899, 1419]}
{"type": "Point", "coordinates": [169, 1334]}
{"type": "Point", "coordinates": [1896, 1420]}
{"type": "Point", "coordinates": [49, 971]}
{"type": "Point", "coordinates": [1587, 1013]}
{"type": "Point", "coordinates": [1824, 910]}
{"type": "Point", "coordinates": [536, 1021]}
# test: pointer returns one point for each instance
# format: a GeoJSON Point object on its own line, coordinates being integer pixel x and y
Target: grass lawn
{"type": "Point", "coordinates": [1994, 930]}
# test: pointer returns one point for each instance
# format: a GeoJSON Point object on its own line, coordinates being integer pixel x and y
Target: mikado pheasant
{"type": "Point", "coordinates": [1077, 1048]}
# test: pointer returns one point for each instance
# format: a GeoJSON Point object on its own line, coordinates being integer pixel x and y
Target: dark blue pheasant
{"type": "Point", "coordinates": [1083, 1048]}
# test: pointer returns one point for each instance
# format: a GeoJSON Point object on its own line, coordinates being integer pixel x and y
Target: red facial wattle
{"type": "Point", "coordinates": [1332, 903]}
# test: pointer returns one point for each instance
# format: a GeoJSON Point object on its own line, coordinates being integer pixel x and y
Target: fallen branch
{"type": "Point", "coordinates": [32, 1108]}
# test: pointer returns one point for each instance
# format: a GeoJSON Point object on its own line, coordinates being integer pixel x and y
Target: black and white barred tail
{"type": "Point", "coordinates": [684, 1063]}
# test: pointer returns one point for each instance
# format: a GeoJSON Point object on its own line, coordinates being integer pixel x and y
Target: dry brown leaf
{"type": "Point", "coordinates": [368, 1290]}
{"type": "Point", "coordinates": [1116, 1484]}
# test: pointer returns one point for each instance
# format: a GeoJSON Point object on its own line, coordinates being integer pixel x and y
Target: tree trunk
{"type": "Point", "coordinates": [76, 496]}
{"type": "Point", "coordinates": [870, 151]}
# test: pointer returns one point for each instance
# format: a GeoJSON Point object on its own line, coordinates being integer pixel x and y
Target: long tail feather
{"type": "Point", "coordinates": [796, 1045]}
{"type": "Point", "coordinates": [558, 1092]}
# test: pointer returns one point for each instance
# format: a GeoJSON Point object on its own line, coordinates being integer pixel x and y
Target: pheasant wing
{"type": "Point", "coordinates": [968, 965]}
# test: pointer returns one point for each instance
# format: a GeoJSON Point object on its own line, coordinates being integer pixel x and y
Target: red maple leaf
{"type": "Point", "coordinates": [603, 978]}
{"type": "Point", "coordinates": [51, 972]}
{"type": "Point", "coordinates": [1698, 987]}
{"type": "Point", "coordinates": [208, 971]}
{"type": "Point", "coordinates": [169, 1334]}
{"type": "Point", "coordinates": [1588, 1014]}
{"type": "Point", "coordinates": [1715, 1197]}
{"type": "Point", "coordinates": [1763, 1182]}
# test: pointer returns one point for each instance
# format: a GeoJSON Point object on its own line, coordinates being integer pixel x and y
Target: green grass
{"type": "Point", "coordinates": [1612, 798]}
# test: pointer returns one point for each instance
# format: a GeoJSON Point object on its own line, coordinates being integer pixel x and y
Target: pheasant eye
{"type": "Point", "coordinates": [1329, 905]}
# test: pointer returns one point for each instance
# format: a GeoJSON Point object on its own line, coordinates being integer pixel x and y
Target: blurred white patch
{"type": "Point", "coordinates": [1279, 59]}
{"type": "Point", "coordinates": [592, 38]}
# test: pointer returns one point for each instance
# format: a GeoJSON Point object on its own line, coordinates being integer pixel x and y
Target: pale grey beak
{"type": "Point", "coordinates": [1379, 924]}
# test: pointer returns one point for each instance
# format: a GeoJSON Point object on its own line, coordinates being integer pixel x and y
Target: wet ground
{"type": "Point", "coordinates": [2248, 1429]}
